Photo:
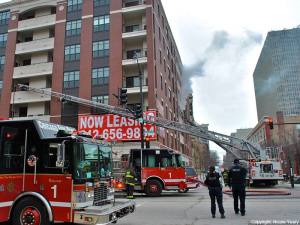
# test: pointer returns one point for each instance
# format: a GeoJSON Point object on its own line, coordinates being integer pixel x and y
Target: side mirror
{"type": "Point", "coordinates": [60, 160]}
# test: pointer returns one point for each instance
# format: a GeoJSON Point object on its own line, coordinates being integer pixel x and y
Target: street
{"type": "Point", "coordinates": [193, 208]}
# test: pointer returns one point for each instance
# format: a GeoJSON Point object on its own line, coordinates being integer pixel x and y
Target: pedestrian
{"type": "Point", "coordinates": [215, 191]}
{"type": "Point", "coordinates": [237, 182]}
{"type": "Point", "coordinates": [129, 181]}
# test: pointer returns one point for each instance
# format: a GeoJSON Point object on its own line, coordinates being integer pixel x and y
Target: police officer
{"type": "Point", "coordinates": [215, 191]}
{"type": "Point", "coordinates": [129, 181]}
{"type": "Point", "coordinates": [237, 181]}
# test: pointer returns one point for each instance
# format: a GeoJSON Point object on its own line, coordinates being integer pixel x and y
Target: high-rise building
{"type": "Point", "coordinates": [89, 49]}
{"type": "Point", "coordinates": [277, 74]}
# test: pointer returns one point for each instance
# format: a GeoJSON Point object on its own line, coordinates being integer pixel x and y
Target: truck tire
{"type": "Point", "coordinates": [153, 188]}
{"type": "Point", "coordinates": [183, 190]}
{"type": "Point", "coordinates": [29, 210]}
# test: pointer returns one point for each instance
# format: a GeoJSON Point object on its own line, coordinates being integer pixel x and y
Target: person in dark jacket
{"type": "Point", "coordinates": [215, 191]}
{"type": "Point", "coordinates": [237, 182]}
{"type": "Point", "coordinates": [130, 181]}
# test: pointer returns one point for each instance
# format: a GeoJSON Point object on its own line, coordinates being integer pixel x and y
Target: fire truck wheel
{"type": "Point", "coordinates": [153, 188]}
{"type": "Point", "coordinates": [30, 211]}
{"type": "Point", "coordinates": [183, 190]}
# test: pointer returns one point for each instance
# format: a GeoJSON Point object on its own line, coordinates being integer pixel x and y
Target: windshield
{"type": "Point", "coordinates": [190, 171]}
{"type": "Point", "coordinates": [266, 168]}
{"type": "Point", "coordinates": [92, 161]}
{"type": "Point", "coordinates": [179, 160]}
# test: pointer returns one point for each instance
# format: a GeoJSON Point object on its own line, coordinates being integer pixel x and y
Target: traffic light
{"type": "Point", "coordinates": [269, 121]}
{"type": "Point", "coordinates": [123, 96]}
{"type": "Point", "coordinates": [138, 111]}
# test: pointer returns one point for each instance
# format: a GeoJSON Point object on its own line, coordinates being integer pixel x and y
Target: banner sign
{"type": "Point", "coordinates": [116, 128]}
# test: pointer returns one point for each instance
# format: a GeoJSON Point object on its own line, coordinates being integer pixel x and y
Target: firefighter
{"type": "Point", "coordinates": [225, 176]}
{"type": "Point", "coordinates": [215, 191]}
{"type": "Point", "coordinates": [237, 182]}
{"type": "Point", "coordinates": [129, 181]}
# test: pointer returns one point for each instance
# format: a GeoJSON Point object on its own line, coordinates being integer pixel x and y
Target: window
{"type": "Point", "coordinates": [2, 62]}
{"type": "Point", "coordinates": [72, 52]}
{"type": "Point", "coordinates": [100, 76]}
{"type": "Point", "coordinates": [98, 3]}
{"type": "Point", "coordinates": [74, 5]}
{"type": "Point", "coordinates": [132, 82]}
{"type": "Point", "coordinates": [100, 48]}
{"type": "Point", "coordinates": [13, 147]}
{"type": "Point", "coordinates": [71, 79]}
{"type": "Point", "coordinates": [3, 39]}
{"type": "Point", "coordinates": [101, 23]}
{"type": "Point", "coordinates": [101, 99]}
{"type": "Point", "coordinates": [161, 82]}
{"type": "Point", "coordinates": [4, 17]}
{"type": "Point", "coordinates": [1, 84]}
{"type": "Point", "coordinates": [73, 28]}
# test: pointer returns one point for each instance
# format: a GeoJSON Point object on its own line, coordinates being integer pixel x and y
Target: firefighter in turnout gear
{"type": "Point", "coordinates": [215, 191]}
{"type": "Point", "coordinates": [130, 181]}
{"type": "Point", "coordinates": [237, 181]}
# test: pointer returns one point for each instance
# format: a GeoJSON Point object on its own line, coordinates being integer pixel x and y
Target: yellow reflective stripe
{"type": "Point", "coordinates": [131, 184]}
{"type": "Point", "coordinates": [129, 176]}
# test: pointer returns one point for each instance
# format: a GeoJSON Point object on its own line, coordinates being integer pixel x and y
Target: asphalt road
{"type": "Point", "coordinates": [193, 208]}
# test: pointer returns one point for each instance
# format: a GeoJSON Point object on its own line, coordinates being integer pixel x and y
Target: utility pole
{"type": "Point", "coordinates": [141, 101]}
{"type": "Point", "coordinates": [142, 109]}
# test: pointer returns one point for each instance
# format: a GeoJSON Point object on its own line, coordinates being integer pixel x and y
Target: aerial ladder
{"type": "Point", "coordinates": [260, 168]}
{"type": "Point", "coordinates": [224, 141]}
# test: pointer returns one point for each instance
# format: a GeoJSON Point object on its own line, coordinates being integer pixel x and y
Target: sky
{"type": "Point", "coordinates": [220, 43]}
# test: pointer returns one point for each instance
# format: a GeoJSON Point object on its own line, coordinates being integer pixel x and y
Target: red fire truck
{"type": "Point", "coordinates": [48, 175]}
{"type": "Point", "coordinates": [162, 169]}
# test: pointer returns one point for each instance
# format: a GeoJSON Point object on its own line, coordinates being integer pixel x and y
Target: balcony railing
{"type": "Point", "coordinates": [37, 22]}
{"type": "Point", "coordinates": [19, 97]}
{"type": "Point", "coordinates": [136, 53]}
{"type": "Point", "coordinates": [134, 28]}
{"type": "Point", "coordinates": [131, 3]}
{"type": "Point", "coordinates": [33, 70]}
{"type": "Point", "coordinates": [35, 46]}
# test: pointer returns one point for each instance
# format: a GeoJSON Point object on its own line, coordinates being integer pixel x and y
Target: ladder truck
{"type": "Point", "coordinates": [260, 168]}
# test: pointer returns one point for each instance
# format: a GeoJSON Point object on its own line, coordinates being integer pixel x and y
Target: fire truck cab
{"type": "Point", "coordinates": [160, 169]}
{"type": "Point", "coordinates": [48, 175]}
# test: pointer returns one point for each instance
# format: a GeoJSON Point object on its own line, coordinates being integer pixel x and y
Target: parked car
{"type": "Point", "coordinates": [192, 179]}
{"type": "Point", "coordinates": [297, 180]}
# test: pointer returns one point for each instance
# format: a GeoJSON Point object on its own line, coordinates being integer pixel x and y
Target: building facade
{"type": "Point", "coordinates": [89, 49]}
{"type": "Point", "coordinates": [229, 157]}
{"type": "Point", "coordinates": [277, 74]}
{"type": "Point", "coordinates": [281, 143]}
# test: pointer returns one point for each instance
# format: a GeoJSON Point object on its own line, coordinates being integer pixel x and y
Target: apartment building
{"type": "Point", "coordinates": [89, 49]}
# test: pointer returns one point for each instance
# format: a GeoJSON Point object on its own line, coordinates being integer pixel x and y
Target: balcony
{"type": "Point", "coordinates": [20, 97]}
{"type": "Point", "coordinates": [136, 90]}
{"type": "Point", "coordinates": [33, 70]}
{"type": "Point", "coordinates": [134, 31]}
{"type": "Point", "coordinates": [131, 57]}
{"type": "Point", "coordinates": [133, 6]}
{"type": "Point", "coordinates": [35, 46]}
{"type": "Point", "coordinates": [36, 23]}
{"type": "Point", "coordinates": [133, 85]}
{"type": "Point", "coordinates": [30, 117]}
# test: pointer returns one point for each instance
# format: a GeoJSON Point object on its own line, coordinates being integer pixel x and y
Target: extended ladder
{"type": "Point", "coordinates": [224, 141]}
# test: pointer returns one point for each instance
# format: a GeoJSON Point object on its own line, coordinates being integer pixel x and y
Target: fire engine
{"type": "Point", "coordinates": [159, 169]}
{"type": "Point", "coordinates": [228, 143]}
{"type": "Point", "coordinates": [48, 174]}
{"type": "Point", "coordinates": [268, 172]}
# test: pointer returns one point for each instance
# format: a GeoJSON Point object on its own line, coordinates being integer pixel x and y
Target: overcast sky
{"type": "Point", "coordinates": [220, 42]}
